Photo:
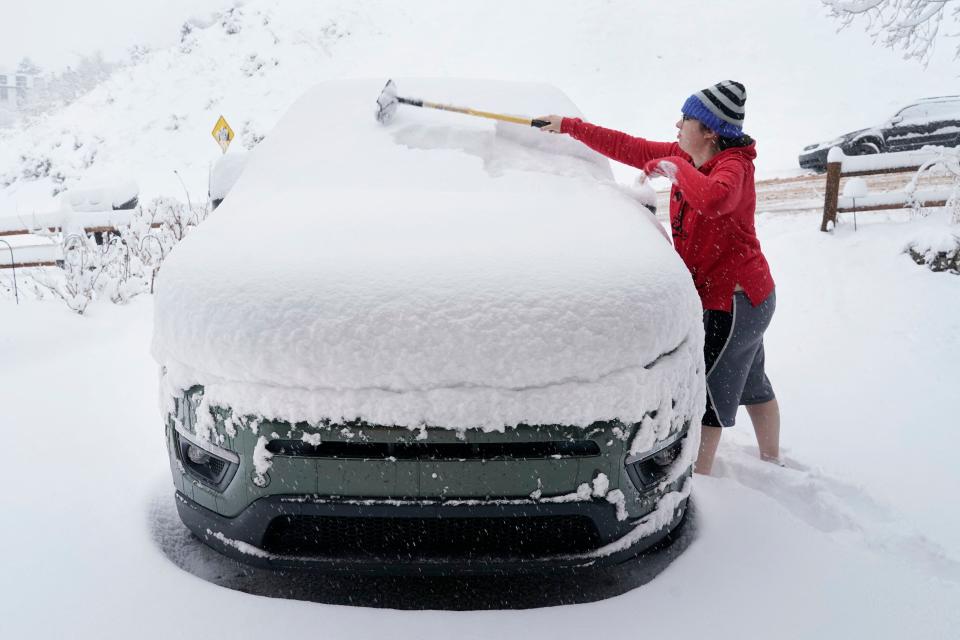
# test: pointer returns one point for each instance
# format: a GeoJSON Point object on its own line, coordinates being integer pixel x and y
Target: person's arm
{"type": "Point", "coordinates": [611, 143]}
{"type": "Point", "coordinates": [617, 145]}
{"type": "Point", "coordinates": [714, 195]}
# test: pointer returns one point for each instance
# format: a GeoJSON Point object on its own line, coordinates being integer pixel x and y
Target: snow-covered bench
{"type": "Point", "coordinates": [31, 250]}
{"type": "Point", "coordinates": [30, 254]}
{"type": "Point", "coordinates": [89, 221]}
{"type": "Point", "coordinates": [840, 165]}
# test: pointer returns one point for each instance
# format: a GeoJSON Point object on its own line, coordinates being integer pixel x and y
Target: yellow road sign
{"type": "Point", "coordinates": [222, 133]}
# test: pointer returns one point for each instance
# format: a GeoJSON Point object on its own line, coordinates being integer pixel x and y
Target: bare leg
{"type": "Point", "coordinates": [766, 423]}
{"type": "Point", "coordinates": [709, 439]}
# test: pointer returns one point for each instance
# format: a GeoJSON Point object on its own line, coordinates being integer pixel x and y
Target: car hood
{"type": "Point", "coordinates": [846, 137]}
{"type": "Point", "coordinates": [420, 264]}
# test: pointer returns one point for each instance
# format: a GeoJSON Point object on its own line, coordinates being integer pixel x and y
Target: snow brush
{"type": "Point", "coordinates": [388, 101]}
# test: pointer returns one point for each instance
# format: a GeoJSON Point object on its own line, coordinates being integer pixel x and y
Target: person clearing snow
{"type": "Point", "coordinates": [712, 206]}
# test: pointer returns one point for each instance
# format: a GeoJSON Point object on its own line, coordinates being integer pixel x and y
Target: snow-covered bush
{"type": "Point", "coordinates": [937, 244]}
{"type": "Point", "coordinates": [62, 161]}
{"type": "Point", "coordinates": [251, 134]}
{"type": "Point", "coordinates": [947, 160]}
{"type": "Point", "coordinates": [115, 266]}
{"type": "Point", "coordinates": [187, 38]}
{"type": "Point", "coordinates": [253, 65]}
{"type": "Point", "coordinates": [946, 260]}
{"type": "Point", "coordinates": [174, 218]}
{"type": "Point", "coordinates": [82, 267]}
{"type": "Point", "coordinates": [231, 21]}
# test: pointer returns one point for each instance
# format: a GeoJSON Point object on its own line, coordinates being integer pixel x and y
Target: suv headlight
{"type": "Point", "coordinates": [206, 462]}
{"type": "Point", "coordinates": [649, 469]}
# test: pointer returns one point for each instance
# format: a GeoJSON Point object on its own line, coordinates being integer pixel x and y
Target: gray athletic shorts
{"type": "Point", "coordinates": [733, 351]}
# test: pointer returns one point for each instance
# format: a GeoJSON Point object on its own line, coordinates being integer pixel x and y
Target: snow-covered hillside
{"type": "Point", "coordinates": [625, 64]}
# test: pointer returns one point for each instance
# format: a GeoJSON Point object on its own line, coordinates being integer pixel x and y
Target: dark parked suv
{"type": "Point", "coordinates": [931, 121]}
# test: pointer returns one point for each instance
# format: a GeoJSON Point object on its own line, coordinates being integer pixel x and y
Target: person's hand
{"type": "Point", "coordinates": [554, 126]}
{"type": "Point", "coordinates": [661, 168]}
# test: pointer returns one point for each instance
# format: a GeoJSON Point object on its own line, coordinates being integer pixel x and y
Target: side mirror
{"type": "Point", "coordinates": [896, 119]}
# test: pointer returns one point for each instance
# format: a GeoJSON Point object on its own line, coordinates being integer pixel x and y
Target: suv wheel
{"type": "Point", "coordinates": [866, 148]}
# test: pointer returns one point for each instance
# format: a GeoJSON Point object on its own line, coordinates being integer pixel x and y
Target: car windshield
{"type": "Point", "coordinates": [330, 140]}
{"type": "Point", "coordinates": [946, 110]}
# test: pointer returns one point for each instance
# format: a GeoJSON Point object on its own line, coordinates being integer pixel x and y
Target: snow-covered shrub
{"type": "Point", "coordinates": [333, 31]}
{"type": "Point", "coordinates": [250, 135]}
{"type": "Point", "coordinates": [174, 121]}
{"type": "Point", "coordinates": [61, 160]}
{"type": "Point", "coordinates": [34, 167]}
{"type": "Point", "coordinates": [255, 65]}
{"type": "Point", "coordinates": [251, 65]}
{"type": "Point", "coordinates": [122, 264]}
{"type": "Point", "coordinates": [37, 167]}
{"type": "Point", "coordinates": [76, 283]}
{"type": "Point", "coordinates": [937, 244]}
{"type": "Point", "coordinates": [187, 38]}
{"type": "Point", "coordinates": [174, 218]}
{"type": "Point", "coordinates": [231, 21]}
{"type": "Point", "coordinates": [137, 53]}
{"type": "Point", "coordinates": [948, 260]}
{"type": "Point", "coordinates": [948, 160]}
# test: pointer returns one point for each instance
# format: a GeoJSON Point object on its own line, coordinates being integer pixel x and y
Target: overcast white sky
{"type": "Point", "coordinates": [54, 32]}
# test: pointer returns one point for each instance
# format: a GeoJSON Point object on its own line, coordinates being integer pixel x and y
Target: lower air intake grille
{"type": "Point", "coordinates": [449, 537]}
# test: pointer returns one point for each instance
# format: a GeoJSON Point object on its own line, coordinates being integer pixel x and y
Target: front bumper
{"type": "Point", "coordinates": [244, 537]}
{"type": "Point", "coordinates": [816, 160]}
{"type": "Point", "coordinates": [391, 500]}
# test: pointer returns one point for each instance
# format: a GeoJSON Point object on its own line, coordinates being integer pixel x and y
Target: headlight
{"type": "Point", "coordinates": [826, 145]}
{"type": "Point", "coordinates": [206, 462]}
{"type": "Point", "coordinates": [649, 469]}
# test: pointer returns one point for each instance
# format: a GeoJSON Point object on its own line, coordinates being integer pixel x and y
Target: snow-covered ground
{"type": "Point", "coordinates": [857, 537]}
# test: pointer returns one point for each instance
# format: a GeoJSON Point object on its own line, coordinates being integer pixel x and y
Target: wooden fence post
{"type": "Point", "coordinates": [831, 195]}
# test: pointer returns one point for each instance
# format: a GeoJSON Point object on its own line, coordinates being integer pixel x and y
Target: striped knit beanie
{"type": "Point", "coordinates": [720, 107]}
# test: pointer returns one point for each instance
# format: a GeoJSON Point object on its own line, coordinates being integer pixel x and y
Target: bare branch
{"type": "Point", "coordinates": [912, 26]}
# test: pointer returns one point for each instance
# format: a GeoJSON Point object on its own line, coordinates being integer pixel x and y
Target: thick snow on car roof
{"type": "Point", "coordinates": [440, 255]}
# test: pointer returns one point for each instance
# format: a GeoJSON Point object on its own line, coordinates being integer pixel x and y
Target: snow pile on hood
{"type": "Point", "coordinates": [431, 270]}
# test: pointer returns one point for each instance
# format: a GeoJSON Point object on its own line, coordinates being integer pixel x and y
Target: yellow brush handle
{"type": "Point", "coordinates": [482, 114]}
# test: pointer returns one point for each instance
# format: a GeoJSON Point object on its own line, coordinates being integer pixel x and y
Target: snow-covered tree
{"type": "Point", "coordinates": [28, 66]}
{"type": "Point", "coordinates": [913, 26]}
{"type": "Point", "coordinates": [61, 88]}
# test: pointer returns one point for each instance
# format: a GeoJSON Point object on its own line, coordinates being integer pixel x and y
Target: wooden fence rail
{"type": "Point", "coordinates": [872, 166]}
{"type": "Point", "coordinates": [45, 255]}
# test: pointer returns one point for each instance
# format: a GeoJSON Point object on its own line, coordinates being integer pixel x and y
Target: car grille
{"type": "Point", "coordinates": [436, 451]}
{"type": "Point", "coordinates": [447, 537]}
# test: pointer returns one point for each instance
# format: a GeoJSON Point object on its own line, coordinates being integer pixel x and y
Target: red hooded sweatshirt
{"type": "Point", "coordinates": [711, 210]}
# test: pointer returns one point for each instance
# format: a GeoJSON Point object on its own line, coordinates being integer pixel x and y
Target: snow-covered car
{"type": "Point", "coordinates": [437, 343]}
{"type": "Point", "coordinates": [120, 195]}
{"type": "Point", "coordinates": [931, 121]}
{"type": "Point", "coordinates": [223, 175]}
